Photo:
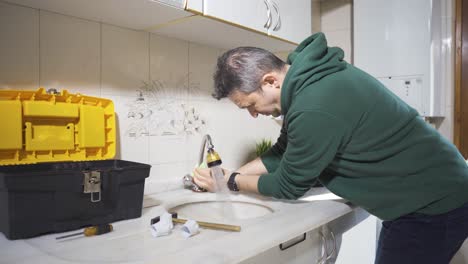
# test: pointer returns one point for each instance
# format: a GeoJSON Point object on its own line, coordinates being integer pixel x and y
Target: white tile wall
{"type": "Point", "coordinates": [69, 52]}
{"type": "Point", "coordinates": [336, 15]}
{"type": "Point", "coordinates": [336, 24]}
{"type": "Point", "coordinates": [166, 177]}
{"type": "Point", "coordinates": [202, 61]}
{"type": "Point", "coordinates": [234, 131]}
{"type": "Point", "coordinates": [113, 62]}
{"type": "Point", "coordinates": [125, 60]}
{"type": "Point", "coordinates": [19, 47]}
{"type": "Point", "coordinates": [169, 149]}
{"type": "Point", "coordinates": [134, 148]}
{"type": "Point", "coordinates": [169, 62]}
{"type": "Point", "coordinates": [316, 17]}
{"type": "Point", "coordinates": [341, 38]}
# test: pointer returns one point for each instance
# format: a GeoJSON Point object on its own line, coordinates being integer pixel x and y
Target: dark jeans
{"type": "Point", "coordinates": [425, 239]}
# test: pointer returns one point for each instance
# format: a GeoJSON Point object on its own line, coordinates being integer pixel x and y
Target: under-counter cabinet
{"type": "Point", "coordinates": [305, 248]}
{"type": "Point", "coordinates": [338, 241]}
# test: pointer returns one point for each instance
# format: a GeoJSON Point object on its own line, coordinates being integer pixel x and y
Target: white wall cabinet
{"type": "Point", "coordinates": [252, 14]}
{"type": "Point", "coordinates": [275, 25]}
{"type": "Point", "coordinates": [277, 18]}
{"type": "Point", "coordinates": [292, 22]}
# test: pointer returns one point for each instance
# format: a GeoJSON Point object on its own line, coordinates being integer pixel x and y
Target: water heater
{"type": "Point", "coordinates": [407, 46]}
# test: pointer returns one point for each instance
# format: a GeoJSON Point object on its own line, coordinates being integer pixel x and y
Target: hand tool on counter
{"type": "Point", "coordinates": [92, 231]}
{"type": "Point", "coordinates": [208, 225]}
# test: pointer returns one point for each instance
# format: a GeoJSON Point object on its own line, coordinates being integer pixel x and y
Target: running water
{"type": "Point", "coordinates": [222, 194]}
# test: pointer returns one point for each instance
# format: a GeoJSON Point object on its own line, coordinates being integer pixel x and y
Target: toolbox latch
{"type": "Point", "coordinates": [92, 184]}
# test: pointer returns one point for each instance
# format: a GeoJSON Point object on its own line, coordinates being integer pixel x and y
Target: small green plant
{"type": "Point", "coordinates": [263, 146]}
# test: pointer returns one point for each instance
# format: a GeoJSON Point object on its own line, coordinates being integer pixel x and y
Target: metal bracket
{"type": "Point", "coordinates": [92, 184]}
{"type": "Point", "coordinates": [52, 91]}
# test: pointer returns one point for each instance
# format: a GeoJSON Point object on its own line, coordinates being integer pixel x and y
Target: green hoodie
{"type": "Point", "coordinates": [344, 128]}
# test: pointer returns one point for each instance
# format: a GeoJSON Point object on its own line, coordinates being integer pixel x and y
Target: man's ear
{"type": "Point", "coordinates": [270, 78]}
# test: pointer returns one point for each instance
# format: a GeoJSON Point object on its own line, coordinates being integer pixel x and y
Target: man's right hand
{"type": "Point", "coordinates": [202, 177]}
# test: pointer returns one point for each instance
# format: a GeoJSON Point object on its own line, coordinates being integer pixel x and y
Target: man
{"type": "Point", "coordinates": [343, 128]}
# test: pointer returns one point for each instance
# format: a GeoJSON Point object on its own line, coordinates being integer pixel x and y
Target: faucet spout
{"type": "Point", "coordinates": [206, 142]}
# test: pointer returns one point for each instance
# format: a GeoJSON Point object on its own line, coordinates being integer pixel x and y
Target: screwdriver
{"type": "Point", "coordinates": [92, 231]}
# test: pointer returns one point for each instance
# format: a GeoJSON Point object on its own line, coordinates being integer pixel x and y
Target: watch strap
{"type": "Point", "coordinates": [232, 185]}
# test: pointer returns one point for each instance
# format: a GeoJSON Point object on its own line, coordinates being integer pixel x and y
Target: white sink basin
{"type": "Point", "coordinates": [220, 211]}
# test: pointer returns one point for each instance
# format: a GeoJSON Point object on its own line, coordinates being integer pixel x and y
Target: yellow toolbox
{"type": "Point", "coordinates": [37, 126]}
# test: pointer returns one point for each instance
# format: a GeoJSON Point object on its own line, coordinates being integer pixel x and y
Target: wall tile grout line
{"type": "Point", "coordinates": [148, 150]}
{"type": "Point", "coordinates": [39, 45]}
{"type": "Point", "coordinates": [188, 97]}
{"type": "Point", "coordinates": [149, 57]}
{"type": "Point", "coordinates": [100, 59]}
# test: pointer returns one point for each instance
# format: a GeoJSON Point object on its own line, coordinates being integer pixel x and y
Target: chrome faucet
{"type": "Point", "coordinates": [188, 179]}
{"type": "Point", "coordinates": [190, 184]}
{"type": "Point", "coordinates": [206, 139]}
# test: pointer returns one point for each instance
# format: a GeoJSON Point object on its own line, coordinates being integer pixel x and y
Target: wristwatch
{"type": "Point", "coordinates": [232, 185]}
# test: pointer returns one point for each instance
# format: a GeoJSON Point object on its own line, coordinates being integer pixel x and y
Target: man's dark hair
{"type": "Point", "coordinates": [242, 69]}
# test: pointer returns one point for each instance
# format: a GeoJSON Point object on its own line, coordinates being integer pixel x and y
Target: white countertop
{"type": "Point", "coordinates": [132, 242]}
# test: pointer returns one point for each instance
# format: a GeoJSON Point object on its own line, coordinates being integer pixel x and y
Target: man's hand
{"type": "Point", "coordinates": [203, 178]}
{"type": "Point", "coordinates": [247, 180]}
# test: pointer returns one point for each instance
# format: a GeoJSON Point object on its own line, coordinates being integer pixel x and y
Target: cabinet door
{"type": "Point", "coordinates": [251, 14]}
{"type": "Point", "coordinates": [291, 22]}
{"type": "Point", "coordinates": [355, 238]}
{"type": "Point", "coordinates": [295, 251]}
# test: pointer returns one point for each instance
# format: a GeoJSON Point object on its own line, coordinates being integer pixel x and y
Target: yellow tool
{"type": "Point", "coordinates": [209, 225]}
{"type": "Point", "coordinates": [92, 231]}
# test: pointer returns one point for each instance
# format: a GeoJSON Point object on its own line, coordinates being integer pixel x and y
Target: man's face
{"type": "Point", "coordinates": [264, 101]}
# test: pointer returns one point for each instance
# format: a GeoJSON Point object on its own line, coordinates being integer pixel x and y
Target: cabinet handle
{"type": "Point", "coordinates": [324, 256]}
{"type": "Point", "coordinates": [293, 244]}
{"type": "Point", "coordinates": [268, 22]}
{"type": "Point", "coordinates": [334, 246]}
{"type": "Point", "coordinates": [278, 21]}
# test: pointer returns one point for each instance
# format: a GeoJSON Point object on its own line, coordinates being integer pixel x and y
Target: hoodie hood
{"type": "Point", "coordinates": [310, 61]}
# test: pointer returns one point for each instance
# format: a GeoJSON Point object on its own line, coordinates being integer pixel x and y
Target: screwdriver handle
{"type": "Point", "coordinates": [97, 230]}
{"type": "Point", "coordinates": [91, 231]}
